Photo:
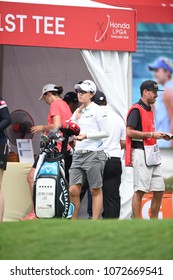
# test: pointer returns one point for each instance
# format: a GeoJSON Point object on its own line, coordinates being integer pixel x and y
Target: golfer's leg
{"type": "Point", "coordinates": [97, 202]}
{"type": "Point", "coordinates": [30, 180]}
{"type": "Point", "coordinates": [75, 198]}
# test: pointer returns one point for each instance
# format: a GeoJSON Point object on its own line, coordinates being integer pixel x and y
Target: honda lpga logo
{"type": "Point", "coordinates": [117, 30]}
{"type": "Point", "coordinates": [101, 34]}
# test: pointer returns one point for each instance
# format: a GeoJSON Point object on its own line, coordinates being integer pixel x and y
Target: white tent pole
{"type": "Point", "coordinates": [129, 79]}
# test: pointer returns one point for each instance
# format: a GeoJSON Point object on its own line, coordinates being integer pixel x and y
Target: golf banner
{"type": "Point", "coordinates": [166, 209]}
{"type": "Point", "coordinates": [153, 41]}
{"type": "Point", "coordinates": [155, 51]}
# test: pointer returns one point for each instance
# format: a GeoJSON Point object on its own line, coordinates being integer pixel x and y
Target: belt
{"type": "Point", "coordinates": [114, 158]}
{"type": "Point", "coordinates": [139, 148]}
{"type": "Point", "coordinates": [82, 151]}
{"type": "Point", "coordinates": [137, 140]}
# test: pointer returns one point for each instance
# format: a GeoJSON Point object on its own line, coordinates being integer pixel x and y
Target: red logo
{"type": "Point", "coordinates": [101, 34]}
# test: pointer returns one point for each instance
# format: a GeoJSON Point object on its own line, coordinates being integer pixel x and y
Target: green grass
{"type": "Point", "coordinates": [58, 239]}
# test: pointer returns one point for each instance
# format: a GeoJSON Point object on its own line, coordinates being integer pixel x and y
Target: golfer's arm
{"type": "Point", "coordinates": [56, 123]}
{"type": "Point", "coordinates": [104, 130]}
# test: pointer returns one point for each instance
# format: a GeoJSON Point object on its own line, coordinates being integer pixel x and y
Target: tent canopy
{"type": "Point", "coordinates": [80, 24]}
{"type": "Point", "coordinates": [155, 11]}
{"type": "Point", "coordinates": [77, 3]}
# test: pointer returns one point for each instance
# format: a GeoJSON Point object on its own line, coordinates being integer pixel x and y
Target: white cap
{"type": "Point", "coordinates": [48, 87]}
{"type": "Point", "coordinates": [87, 85]}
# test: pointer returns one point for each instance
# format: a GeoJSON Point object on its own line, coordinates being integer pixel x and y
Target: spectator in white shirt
{"type": "Point", "coordinates": [113, 167]}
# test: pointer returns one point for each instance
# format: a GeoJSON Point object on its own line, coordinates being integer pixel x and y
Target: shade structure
{"type": "Point", "coordinates": [42, 42]}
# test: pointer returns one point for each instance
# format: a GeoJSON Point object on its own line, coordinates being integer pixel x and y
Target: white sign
{"type": "Point", "coordinates": [25, 150]}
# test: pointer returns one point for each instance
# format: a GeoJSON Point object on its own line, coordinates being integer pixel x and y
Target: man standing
{"type": "Point", "coordinates": [112, 145]}
{"type": "Point", "coordinates": [163, 108]}
{"type": "Point", "coordinates": [142, 151]}
{"type": "Point", "coordinates": [5, 121]}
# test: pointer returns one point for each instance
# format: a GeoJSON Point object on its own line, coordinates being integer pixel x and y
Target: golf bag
{"type": "Point", "coordinates": [51, 194]}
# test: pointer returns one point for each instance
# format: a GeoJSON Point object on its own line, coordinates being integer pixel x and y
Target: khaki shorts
{"type": "Point", "coordinates": [88, 165]}
{"type": "Point", "coordinates": [146, 179]}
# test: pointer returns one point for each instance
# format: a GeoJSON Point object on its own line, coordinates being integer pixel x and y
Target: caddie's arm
{"type": "Point", "coordinates": [136, 134]}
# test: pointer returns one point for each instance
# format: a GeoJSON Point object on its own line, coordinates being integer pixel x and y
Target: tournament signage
{"type": "Point", "coordinates": [67, 27]}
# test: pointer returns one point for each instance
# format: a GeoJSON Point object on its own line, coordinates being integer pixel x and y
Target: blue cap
{"type": "Point", "coordinates": [164, 63]}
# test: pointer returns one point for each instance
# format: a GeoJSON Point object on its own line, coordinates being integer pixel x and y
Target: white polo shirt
{"type": "Point", "coordinates": [94, 123]}
{"type": "Point", "coordinates": [117, 132]}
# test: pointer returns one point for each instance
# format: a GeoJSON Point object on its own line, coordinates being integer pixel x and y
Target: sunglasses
{"type": "Point", "coordinates": [81, 91]}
